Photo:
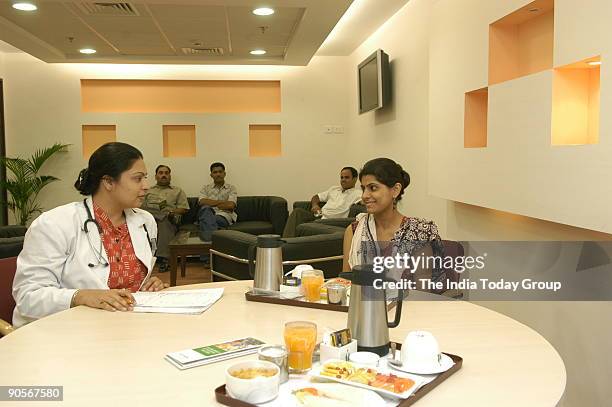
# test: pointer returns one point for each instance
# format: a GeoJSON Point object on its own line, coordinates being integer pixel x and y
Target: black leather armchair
{"type": "Point", "coordinates": [257, 215]}
{"type": "Point", "coordinates": [319, 245]}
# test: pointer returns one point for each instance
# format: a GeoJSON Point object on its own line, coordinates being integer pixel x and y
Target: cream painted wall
{"type": "Point", "coordinates": [43, 105]}
{"type": "Point", "coordinates": [401, 131]}
{"type": "Point", "coordinates": [519, 171]}
{"type": "Point", "coordinates": [579, 331]}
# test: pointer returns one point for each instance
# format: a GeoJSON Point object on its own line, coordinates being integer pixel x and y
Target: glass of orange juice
{"type": "Point", "coordinates": [300, 340]}
{"type": "Point", "coordinates": [312, 281]}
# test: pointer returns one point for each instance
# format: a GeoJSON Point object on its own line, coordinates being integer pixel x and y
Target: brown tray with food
{"type": "Point", "coordinates": [273, 299]}
{"type": "Point", "coordinates": [224, 398]}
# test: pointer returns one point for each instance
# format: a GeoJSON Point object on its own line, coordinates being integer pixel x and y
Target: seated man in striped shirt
{"type": "Point", "coordinates": [217, 203]}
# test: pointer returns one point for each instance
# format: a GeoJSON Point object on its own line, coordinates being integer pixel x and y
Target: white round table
{"type": "Point", "coordinates": [117, 359]}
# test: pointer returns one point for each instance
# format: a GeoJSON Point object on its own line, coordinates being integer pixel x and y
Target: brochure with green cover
{"type": "Point", "coordinates": [212, 353]}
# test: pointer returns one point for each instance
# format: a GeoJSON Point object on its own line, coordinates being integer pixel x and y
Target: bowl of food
{"type": "Point", "coordinates": [254, 381]}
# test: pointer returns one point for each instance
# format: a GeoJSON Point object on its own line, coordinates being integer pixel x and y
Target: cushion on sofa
{"type": "Point", "coordinates": [256, 215]}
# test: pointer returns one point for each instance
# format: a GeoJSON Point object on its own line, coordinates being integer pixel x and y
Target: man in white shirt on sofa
{"type": "Point", "coordinates": [338, 201]}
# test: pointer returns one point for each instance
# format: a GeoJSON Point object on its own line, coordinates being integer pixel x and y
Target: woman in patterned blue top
{"type": "Point", "coordinates": [383, 230]}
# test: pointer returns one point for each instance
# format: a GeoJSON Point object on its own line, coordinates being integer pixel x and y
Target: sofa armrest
{"type": "Point", "coordinates": [278, 214]}
{"type": "Point", "coordinates": [338, 222]}
{"type": "Point", "coordinates": [305, 205]}
{"type": "Point", "coordinates": [313, 246]}
{"type": "Point", "coordinates": [12, 231]}
{"type": "Point", "coordinates": [316, 228]}
{"type": "Point", "coordinates": [233, 242]}
{"type": "Point", "coordinates": [302, 205]}
{"type": "Point", "coordinates": [356, 209]}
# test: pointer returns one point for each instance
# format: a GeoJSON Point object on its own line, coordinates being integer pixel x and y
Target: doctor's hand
{"type": "Point", "coordinates": [154, 284]}
{"type": "Point", "coordinates": [110, 300]}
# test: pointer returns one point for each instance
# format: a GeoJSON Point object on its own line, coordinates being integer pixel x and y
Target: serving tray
{"type": "Point", "coordinates": [224, 398]}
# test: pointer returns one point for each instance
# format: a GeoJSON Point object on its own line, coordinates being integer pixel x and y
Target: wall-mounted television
{"type": "Point", "coordinates": [374, 82]}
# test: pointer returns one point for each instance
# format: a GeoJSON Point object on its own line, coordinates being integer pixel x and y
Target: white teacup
{"type": "Point", "coordinates": [420, 350]}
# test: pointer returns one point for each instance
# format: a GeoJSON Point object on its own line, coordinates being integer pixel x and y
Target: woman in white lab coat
{"type": "Point", "coordinates": [93, 252]}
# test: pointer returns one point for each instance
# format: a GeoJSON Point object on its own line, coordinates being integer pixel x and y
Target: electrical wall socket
{"type": "Point", "coordinates": [327, 129]}
{"type": "Point", "coordinates": [338, 129]}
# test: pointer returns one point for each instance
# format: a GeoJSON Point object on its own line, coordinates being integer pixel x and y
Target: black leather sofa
{"type": "Point", "coordinates": [317, 244]}
{"type": "Point", "coordinates": [11, 240]}
{"type": "Point", "coordinates": [257, 215]}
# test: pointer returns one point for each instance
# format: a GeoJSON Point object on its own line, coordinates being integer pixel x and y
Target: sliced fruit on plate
{"type": "Point", "coordinates": [337, 395]}
{"type": "Point", "coordinates": [391, 383]}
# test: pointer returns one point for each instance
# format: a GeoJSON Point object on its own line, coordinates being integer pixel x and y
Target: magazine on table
{"type": "Point", "coordinates": [188, 358]}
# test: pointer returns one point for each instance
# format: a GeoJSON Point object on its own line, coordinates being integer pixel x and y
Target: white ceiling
{"type": "Point", "coordinates": [362, 19]}
{"type": "Point", "coordinates": [191, 31]}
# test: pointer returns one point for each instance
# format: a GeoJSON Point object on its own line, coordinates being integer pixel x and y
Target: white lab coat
{"type": "Point", "coordinates": [56, 259]}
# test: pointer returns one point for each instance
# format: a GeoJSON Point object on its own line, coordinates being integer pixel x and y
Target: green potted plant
{"type": "Point", "coordinates": [26, 183]}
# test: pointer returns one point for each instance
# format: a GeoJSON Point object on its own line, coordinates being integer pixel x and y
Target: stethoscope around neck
{"type": "Point", "coordinates": [101, 261]}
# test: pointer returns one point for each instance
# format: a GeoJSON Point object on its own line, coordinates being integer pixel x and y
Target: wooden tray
{"type": "Point", "coordinates": [299, 303]}
{"type": "Point", "coordinates": [223, 398]}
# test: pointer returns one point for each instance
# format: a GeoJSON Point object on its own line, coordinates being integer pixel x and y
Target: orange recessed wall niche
{"type": "Point", "coordinates": [575, 110]}
{"type": "Point", "coordinates": [475, 118]}
{"type": "Point", "coordinates": [96, 135]}
{"type": "Point", "coordinates": [521, 43]}
{"type": "Point", "coordinates": [179, 141]}
{"type": "Point", "coordinates": [102, 95]}
{"type": "Point", "coordinates": [265, 140]}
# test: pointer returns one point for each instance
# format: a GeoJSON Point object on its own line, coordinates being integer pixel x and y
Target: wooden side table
{"type": "Point", "coordinates": [182, 246]}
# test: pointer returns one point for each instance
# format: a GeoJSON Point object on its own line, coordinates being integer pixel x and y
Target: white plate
{"type": "Point", "coordinates": [286, 398]}
{"type": "Point", "coordinates": [445, 363]}
{"type": "Point", "coordinates": [316, 372]}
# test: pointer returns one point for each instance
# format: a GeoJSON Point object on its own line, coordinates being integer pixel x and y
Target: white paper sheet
{"type": "Point", "coordinates": [177, 302]}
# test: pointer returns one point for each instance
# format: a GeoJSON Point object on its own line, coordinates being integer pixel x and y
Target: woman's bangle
{"type": "Point", "coordinates": [73, 298]}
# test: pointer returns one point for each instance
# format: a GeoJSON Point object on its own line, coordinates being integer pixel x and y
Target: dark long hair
{"type": "Point", "coordinates": [109, 160]}
{"type": "Point", "coordinates": [388, 172]}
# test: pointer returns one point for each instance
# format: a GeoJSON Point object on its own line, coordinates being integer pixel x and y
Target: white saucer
{"type": "Point", "coordinates": [445, 363]}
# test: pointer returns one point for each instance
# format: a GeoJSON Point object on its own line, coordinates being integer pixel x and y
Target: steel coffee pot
{"type": "Point", "coordinates": [367, 316]}
{"type": "Point", "coordinates": [266, 263]}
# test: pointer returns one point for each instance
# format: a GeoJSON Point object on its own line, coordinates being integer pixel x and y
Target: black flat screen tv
{"type": "Point", "coordinates": [374, 82]}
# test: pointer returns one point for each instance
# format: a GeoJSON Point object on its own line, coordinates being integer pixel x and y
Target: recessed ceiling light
{"type": "Point", "coordinates": [258, 52]}
{"type": "Point", "coordinates": [594, 63]}
{"type": "Point", "coordinates": [25, 6]}
{"type": "Point", "coordinates": [263, 11]}
{"type": "Point", "coordinates": [87, 51]}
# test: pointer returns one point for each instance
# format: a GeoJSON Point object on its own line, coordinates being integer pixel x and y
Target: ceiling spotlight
{"type": "Point", "coordinates": [263, 11]}
{"type": "Point", "coordinates": [24, 6]}
{"type": "Point", "coordinates": [258, 52]}
{"type": "Point", "coordinates": [594, 63]}
{"type": "Point", "coordinates": [87, 51]}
